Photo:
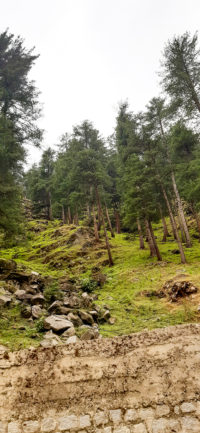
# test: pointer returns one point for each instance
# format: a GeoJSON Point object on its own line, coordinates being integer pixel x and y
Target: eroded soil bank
{"type": "Point", "coordinates": [145, 382]}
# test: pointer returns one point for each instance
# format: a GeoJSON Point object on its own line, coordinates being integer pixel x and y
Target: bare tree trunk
{"type": "Point", "coordinates": [96, 233]}
{"type": "Point", "coordinates": [117, 222]}
{"type": "Point", "coordinates": [142, 247]}
{"type": "Point", "coordinates": [69, 215]}
{"type": "Point", "coordinates": [181, 228]}
{"type": "Point", "coordinates": [165, 229]}
{"type": "Point", "coordinates": [196, 216]}
{"type": "Point", "coordinates": [181, 213]}
{"type": "Point", "coordinates": [104, 228]}
{"type": "Point", "coordinates": [76, 221]}
{"type": "Point", "coordinates": [174, 226]}
{"type": "Point", "coordinates": [150, 240]}
{"type": "Point", "coordinates": [50, 216]}
{"type": "Point", "coordinates": [109, 223]}
{"type": "Point", "coordinates": [63, 215]}
{"type": "Point", "coordinates": [99, 215]}
{"type": "Point", "coordinates": [159, 257]}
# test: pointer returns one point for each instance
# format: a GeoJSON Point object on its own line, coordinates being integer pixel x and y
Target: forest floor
{"type": "Point", "coordinates": [68, 252]}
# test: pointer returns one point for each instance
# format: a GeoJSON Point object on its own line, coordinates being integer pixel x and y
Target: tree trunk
{"type": "Point", "coordinates": [159, 257]}
{"type": "Point", "coordinates": [150, 240]}
{"type": "Point", "coordinates": [196, 216]}
{"type": "Point", "coordinates": [104, 228]}
{"type": "Point", "coordinates": [50, 216]}
{"type": "Point", "coordinates": [69, 215]}
{"type": "Point", "coordinates": [142, 247]}
{"type": "Point", "coordinates": [117, 222]}
{"type": "Point", "coordinates": [96, 233]}
{"type": "Point", "coordinates": [181, 228]}
{"type": "Point", "coordinates": [109, 223]}
{"type": "Point", "coordinates": [181, 213]}
{"type": "Point", "coordinates": [76, 221]}
{"type": "Point", "coordinates": [174, 226]}
{"type": "Point", "coordinates": [165, 229]}
{"type": "Point", "coordinates": [63, 215]}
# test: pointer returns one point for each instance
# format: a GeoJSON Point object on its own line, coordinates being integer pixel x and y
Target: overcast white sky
{"type": "Point", "coordinates": [94, 54]}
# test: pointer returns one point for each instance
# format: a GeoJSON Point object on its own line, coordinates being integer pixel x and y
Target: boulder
{"type": "Point", "coordinates": [57, 308]}
{"type": "Point", "coordinates": [105, 316]}
{"type": "Point", "coordinates": [22, 295]}
{"type": "Point", "coordinates": [90, 334]}
{"type": "Point", "coordinates": [72, 340]}
{"type": "Point", "coordinates": [86, 317]}
{"type": "Point", "coordinates": [37, 312]}
{"type": "Point", "coordinates": [111, 321]}
{"type": "Point", "coordinates": [57, 323]}
{"type": "Point", "coordinates": [50, 340]}
{"type": "Point", "coordinates": [7, 266]}
{"type": "Point", "coordinates": [26, 311]}
{"type": "Point", "coordinates": [5, 300]}
{"type": "Point", "coordinates": [75, 319]}
{"type": "Point", "coordinates": [94, 314]}
{"type": "Point", "coordinates": [37, 299]}
{"type": "Point", "coordinates": [72, 301]}
{"type": "Point", "coordinates": [68, 333]}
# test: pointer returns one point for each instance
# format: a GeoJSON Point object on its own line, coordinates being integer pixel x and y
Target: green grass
{"type": "Point", "coordinates": [133, 273]}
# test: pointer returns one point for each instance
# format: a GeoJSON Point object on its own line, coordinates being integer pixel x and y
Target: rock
{"type": "Point", "coordinates": [111, 320]}
{"type": "Point", "coordinates": [94, 314]}
{"type": "Point", "coordinates": [105, 316]}
{"type": "Point", "coordinates": [90, 334]}
{"type": "Point", "coordinates": [57, 308]}
{"type": "Point", "coordinates": [68, 333]}
{"type": "Point", "coordinates": [23, 296]}
{"type": "Point", "coordinates": [5, 300]}
{"type": "Point", "coordinates": [72, 340]}
{"type": "Point", "coordinates": [37, 312]}
{"type": "Point", "coordinates": [72, 301]}
{"type": "Point", "coordinates": [75, 319]}
{"type": "Point", "coordinates": [57, 323]}
{"type": "Point", "coordinates": [26, 311]}
{"type": "Point", "coordinates": [50, 340]}
{"type": "Point", "coordinates": [37, 299]}
{"type": "Point", "coordinates": [6, 266]}
{"type": "Point", "coordinates": [86, 317]}
{"type": "Point", "coordinates": [3, 349]}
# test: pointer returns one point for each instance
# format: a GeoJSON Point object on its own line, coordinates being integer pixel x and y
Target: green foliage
{"type": "Point", "coordinates": [88, 285]}
{"type": "Point", "coordinates": [52, 293]}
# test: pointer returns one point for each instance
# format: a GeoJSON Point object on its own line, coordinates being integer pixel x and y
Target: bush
{"type": "Point", "coordinates": [88, 285]}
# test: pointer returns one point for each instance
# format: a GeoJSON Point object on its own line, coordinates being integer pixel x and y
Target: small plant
{"type": "Point", "coordinates": [88, 285]}
{"type": "Point", "coordinates": [52, 292]}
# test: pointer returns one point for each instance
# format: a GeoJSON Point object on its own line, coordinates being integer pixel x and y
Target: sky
{"type": "Point", "coordinates": [95, 54]}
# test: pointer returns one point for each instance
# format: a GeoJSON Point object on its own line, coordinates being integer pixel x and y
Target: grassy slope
{"type": "Point", "coordinates": [134, 272]}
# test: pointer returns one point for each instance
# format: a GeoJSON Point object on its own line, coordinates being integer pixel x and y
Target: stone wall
{"type": "Point", "coordinates": [141, 383]}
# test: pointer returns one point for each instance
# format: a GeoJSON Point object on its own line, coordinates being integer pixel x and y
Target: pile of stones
{"type": "Point", "coordinates": [175, 290]}
{"type": "Point", "coordinates": [73, 316]}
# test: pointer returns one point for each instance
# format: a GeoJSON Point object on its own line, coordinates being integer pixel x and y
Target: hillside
{"type": "Point", "coordinates": [123, 299]}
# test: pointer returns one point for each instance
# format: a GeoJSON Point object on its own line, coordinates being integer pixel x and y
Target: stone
{"type": "Point", "coordinates": [20, 294]}
{"type": "Point", "coordinates": [48, 425]}
{"type": "Point", "coordinates": [14, 427]}
{"type": "Point", "coordinates": [68, 333]}
{"type": "Point", "coordinates": [130, 415]}
{"type": "Point", "coordinates": [105, 316]}
{"type": "Point", "coordinates": [72, 340]}
{"type": "Point", "coordinates": [31, 426]}
{"type": "Point", "coordinates": [162, 410]}
{"type": "Point", "coordinates": [55, 307]}
{"type": "Point", "coordinates": [57, 323]}
{"type": "Point", "coordinates": [147, 415]}
{"type": "Point", "coordinates": [190, 425]}
{"type": "Point", "coordinates": [94, 314]}
{"type": "Point", "coordinates": [38, 299]}
{"type": "Point", "coordinates": [176, 410]}
{"type": "Point", "coordinates": [5, 300]}
{"type": "Point", "coordinates": [84, 421]}
{"type": "Point", "coordinates": [75, 319]}
{"type": "Point", "coordinates": [173, 425]}
{"type": "Point", "coordinates": [159, 426]}
{"type": "Point", "coordinates": [2, 427]}
{"type": "Point", "coordinates": [86, 317]}
{"type": "Point", "coordinates": [26, 311]}
{"type": "Point", "coordinates": [37, 312]}
{"type": "Point", "coordinates": [72, 301]}
{"type": "Point", "coordinates": [115, 416]}
{"type": "Point", "coordinates": [50, 340]}
{"type": "Point", "coordinates": [121, 429]}
{"type": "Point", "coordinates": [90, 334]}
{"type": "Point", "coordinates": [100, 418]}
{"type": "Point", "coordinates": [139, 428]}
{"type": "Point", "coordinates": [187, 407]}
{"type": "Point", "coordinates": [111, 321]}
{"type": "Point", "coordinates": [70, 422]}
